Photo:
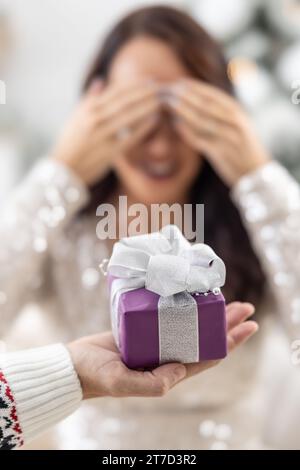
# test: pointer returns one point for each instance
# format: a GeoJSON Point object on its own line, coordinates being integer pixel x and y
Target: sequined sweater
{"type": "Point", "coordinates": [50, 256]}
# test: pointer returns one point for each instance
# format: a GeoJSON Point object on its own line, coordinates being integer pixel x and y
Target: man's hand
{"type": "Point", "coordinates": [102, 373]}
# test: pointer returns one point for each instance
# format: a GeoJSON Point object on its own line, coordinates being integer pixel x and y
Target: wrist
{"type": "Point", "coordinates": [256, 165]}
{"type": "Point", "coordinates": [77, 357]}
{"type": "Point", "coordinates": [67, 162]}
{"type": "Point", "coordinates": [252, 166]}
{"type": "Point", "coordinates": [77, 176]}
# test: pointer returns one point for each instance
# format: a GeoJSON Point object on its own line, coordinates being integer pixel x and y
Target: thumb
{"type": "Point", "coordinates": [169, 374]}
{"type": "Point", "coordinates": [151, 384]}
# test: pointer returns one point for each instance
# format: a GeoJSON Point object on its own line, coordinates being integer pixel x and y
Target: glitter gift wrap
{"type": "Point", "coordinates": [166, 303]}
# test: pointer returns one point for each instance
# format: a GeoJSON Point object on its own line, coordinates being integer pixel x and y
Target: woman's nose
{"type": "Point", "coordinates": [160, 146]}
{"type": "Point", "coordinates": [161, 142]}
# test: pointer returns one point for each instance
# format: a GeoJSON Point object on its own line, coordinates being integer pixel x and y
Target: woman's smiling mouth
{"type": "Point", "coordinates": [159, 170]}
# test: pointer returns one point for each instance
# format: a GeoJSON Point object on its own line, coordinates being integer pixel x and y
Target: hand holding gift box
{"type": "Point", "coordinates": [166, 303]}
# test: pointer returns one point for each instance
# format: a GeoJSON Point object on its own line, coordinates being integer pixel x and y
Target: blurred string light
{"type": "Point", "coordinates": [253, 84]}
{"type": "Point", "coordinates": [12, 137]}
{"type": "Point", "coordinates": [254, 44]}
{"type": "Point", "coordinates": [224, 19]}
{"type": "Point", "coordinates": [217, 435]}
{"type": "Point", "coordinates": [262, 45]}
{"type": "Point", "coordinates": [284, 16]}
{"type": "Point", "coordinates": [288, 66]}
{"type": "Point", "coordinates": [279, 126]}
{"type": "Point", "coordinates": [5, 34]}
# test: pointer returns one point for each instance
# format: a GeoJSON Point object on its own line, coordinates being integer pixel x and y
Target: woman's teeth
{"type": "Point", "coordinates": [161, 170]}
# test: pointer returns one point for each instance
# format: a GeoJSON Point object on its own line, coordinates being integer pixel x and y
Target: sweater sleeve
{"type": "Point", "coordinates": [269, 202]}
{"type": "Point", "coordinates": [38, 388]}
{"type": "Point", "coordinates": [35, 214]}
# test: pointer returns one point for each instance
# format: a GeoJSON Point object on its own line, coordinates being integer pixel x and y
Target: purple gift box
{"type": "Point", "coordinates": [166, 302]}
{"type": "Point", "coordinates": [138, 327]}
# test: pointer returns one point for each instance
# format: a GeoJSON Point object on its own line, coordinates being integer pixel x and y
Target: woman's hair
{"type": "Point", "coordinates": [204, 60]}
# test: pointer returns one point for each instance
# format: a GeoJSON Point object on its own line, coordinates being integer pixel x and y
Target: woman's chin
{"type": "Point", "coordinates": [158, 189]}
{"type": "Point", "coordinates": [157, 197]}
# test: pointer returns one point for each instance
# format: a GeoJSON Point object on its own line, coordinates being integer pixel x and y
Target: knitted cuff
{"type": "Point", "coordinates": [41, 388]}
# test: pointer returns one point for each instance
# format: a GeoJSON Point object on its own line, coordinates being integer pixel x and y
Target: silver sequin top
{"type": "Point", "coordinates": [49, 255]}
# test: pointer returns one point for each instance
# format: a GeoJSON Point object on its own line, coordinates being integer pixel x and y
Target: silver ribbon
{"type": "Point", "coordinates": [165, 263]}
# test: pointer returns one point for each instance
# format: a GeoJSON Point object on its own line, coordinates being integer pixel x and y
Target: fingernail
{"type": "Point", "coordinates": [178, 87]}
{"type": "Point", "coordinates": [96, 85]}
{"type": "Point", "coordinates": [169, 99]}
{"type": "Point", "coordinates": [162, 93]}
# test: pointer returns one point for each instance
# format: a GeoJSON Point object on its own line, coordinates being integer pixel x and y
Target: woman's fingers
{"type": "Point", "coordinates": [95, 87]}
{"type": "Point", "coordinates": [209, 112]}
{"type": "Point", "coordinates": [240, 334]}
{"type": "Point", "coordinates": [210, 93]}
{"type": "Point", "coordinates": [207, 109]}
{"type": "Point", "coordinates": [142, 129]}
{"type": "Point", "coordinates": [204, 126]}
{"type": "Point", "coordinates": [110, 92]}
{"type": "Point", "coordinates": [192, 117]}
{"type": "Point", "coordinates": [219, 152]}
{"type": "Point", "coordinates": [238, 312]}
{"type": "Point", "coordinates": [130, 118]}
{"type": "Point", "coordinates": [194, 139]}
{"type": "Point", "coordinates": [123, 100]}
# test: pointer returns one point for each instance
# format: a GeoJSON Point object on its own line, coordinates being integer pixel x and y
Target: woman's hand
{"type": "Point", "coordinates": [102, 373]}
{"type": "Point", "coordinates": [106, 122]}
{"type": "Point", "coordinates": [214, 124]}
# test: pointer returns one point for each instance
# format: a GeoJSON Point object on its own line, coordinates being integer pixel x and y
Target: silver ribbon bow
{"type": "Point", "coordinates": [165, 263]}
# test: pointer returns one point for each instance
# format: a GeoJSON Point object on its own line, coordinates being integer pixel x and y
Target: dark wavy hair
{"type": "Point", "coordinates": [204, 60]}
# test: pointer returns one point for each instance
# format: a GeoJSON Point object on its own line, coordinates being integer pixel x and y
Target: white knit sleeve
{"type": "Point", "coordinates": [38, 388]}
